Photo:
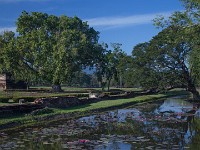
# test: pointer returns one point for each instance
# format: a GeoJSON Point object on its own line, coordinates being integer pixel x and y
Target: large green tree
{"type": "Point", "coordinates": [111, 65]}
{"type": "Point", "coordinates": [185, 27]}
{"type": "Point", "coordinates": [171, 58]}
{"type": "Point", "coordinates": [8, 53]}
{"type": "Point", "coordinates": [149, 70]}
{"type": "Point", "coordinates": [55, 47]}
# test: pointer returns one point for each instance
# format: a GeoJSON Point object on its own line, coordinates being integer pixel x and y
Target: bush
{"type": "Point", "coordinates": [26, 99]}
{"type": "Point", "coordinates": [79, 95]}
{"type": "Point", "coordinates": [45, 110]}
{"type": "Point", "coordinates": [4, 100]}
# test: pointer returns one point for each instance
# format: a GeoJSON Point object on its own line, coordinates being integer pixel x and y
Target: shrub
{"type": "Point", "coordinates": [4, 100]}
{"type": "Point", "coordinates": [26, 99]}
{"type": "Point", "coordinates": [45, 110]}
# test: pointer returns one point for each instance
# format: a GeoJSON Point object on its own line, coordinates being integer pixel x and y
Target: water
{"type": "Point", "coordinates": [159, 125]}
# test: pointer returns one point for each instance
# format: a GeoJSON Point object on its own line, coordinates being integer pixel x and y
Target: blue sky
{"type": "Point", "coordinates": [128, 22]}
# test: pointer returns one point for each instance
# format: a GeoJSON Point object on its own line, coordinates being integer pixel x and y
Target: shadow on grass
{"type": "Point", "coordinates": [10, 116]}
{"type": "Point", "coordinates": [76, 107]}
{"type": "Point", "coordinates": [176, 92]}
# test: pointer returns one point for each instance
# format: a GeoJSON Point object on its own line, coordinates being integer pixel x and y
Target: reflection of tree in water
{"type": "Point", "coordinates": [195, 141]}
{"type": "Point", "coordinates": [114, 146]}
{"type": "Point", "coordinates": [176, 132]}
{"type": "Point", "coordinates": [138, 127]}
{"type": "Point", "coordinates": [179, 133]}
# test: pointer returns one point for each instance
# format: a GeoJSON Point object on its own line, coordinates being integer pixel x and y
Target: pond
{"type": "Point", "coordinates": [169, 124]}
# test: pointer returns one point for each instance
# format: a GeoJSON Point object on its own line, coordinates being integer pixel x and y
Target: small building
{"type": "Point", "coordinates": [6, 83]}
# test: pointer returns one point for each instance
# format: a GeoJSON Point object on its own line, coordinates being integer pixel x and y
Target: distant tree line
{"type": "Point", "coordinates": [56, 50]}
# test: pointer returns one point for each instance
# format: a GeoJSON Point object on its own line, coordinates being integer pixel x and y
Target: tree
{"type": "Point", "coordinates": [143, 73]}
{"type": "Point", "coordinates": [80, 79]}
{"type": "Point", "coordinates": [166, 57]}
{"type": "Point", "coordinates": [10, 58]}
{"type": "Point", "coordinates": [149, 71]}
{"type": "Point", "coordinates": [183, 32]}
{"type": "Point", "coordinates": [194, 59]}
{"type": "Point", "coordinates": [111, 64]}
{"type": "Point", "coordinates": [100, 66]}
{"type": "Point", "coordinates": [55, 47]}
{"type": "Point", "coordinates": [121, 63]}
{"type": "Point", "coordinates": [8, 53]}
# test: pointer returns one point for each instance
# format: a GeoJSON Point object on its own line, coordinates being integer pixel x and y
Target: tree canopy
{"type": "Point", "coordinates": [171, 58]}
{"type": "Point", "coordinates": [51, 47]}
{"type": "Point", "coordinates": [57, 49]}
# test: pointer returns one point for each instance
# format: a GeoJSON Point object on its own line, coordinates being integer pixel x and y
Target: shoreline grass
{"type": "Point", "coordinates": [28, 120]}
{"type": "Point", "coordinates": [42, 92]}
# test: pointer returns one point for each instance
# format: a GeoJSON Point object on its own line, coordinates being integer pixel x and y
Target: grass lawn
{"type": "Point", "coordinates": [88, 108]}
{"type": "Point", "coordinates": [72, 89]}
{"type": "Point", "coordinates": [38, 92]}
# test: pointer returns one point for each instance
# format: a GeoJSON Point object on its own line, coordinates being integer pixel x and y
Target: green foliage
{"type": "Point", "coordinates": [48, 47]}
{"type": "Point", "coordinates": [171, 59]}
{"type": "Point", "coordinates": [163, 62]}
{"type": "Point", "coordinates": [4, 100]}
{"type": "Point", "coordinates": [112, 65]}
{"type": "Point", "coordinates": [188, 17]}
{"type": "Point", "coordinates": [9, 55]}
{"type": "Point", "coordinates": [195, 140]}
{"type": "Point", "coordinates": [26, 99]}
{"type": "Point", "coordinates": [41, 111]}
{"type": "Point", "coordinates": [80, 79]}
{"type": "Point", "coordinates": [194, 59]}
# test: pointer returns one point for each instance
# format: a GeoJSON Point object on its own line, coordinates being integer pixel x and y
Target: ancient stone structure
{"type": "Point", "coordinates": [6, 83]}
{"type": "Point", "coordinates": [58, 102]}
{"type": "Point", "coordinates": [18, 109]}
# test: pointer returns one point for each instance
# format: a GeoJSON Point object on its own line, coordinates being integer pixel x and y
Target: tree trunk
{"type": "Point", "coordinates": [103, 85]}
{"type": "Point", "coordinates": [56, 88]}
{"type": "Point", "coordinates": [193, 90]}
{"type": "Point", "coordinates": [109, 80]}
{"type": "Point", "coordinates": [120, 81]}
{"type": "Point", "coordinates": [190, 84]}
{"type": "Point", "coordinates": [27, 86]}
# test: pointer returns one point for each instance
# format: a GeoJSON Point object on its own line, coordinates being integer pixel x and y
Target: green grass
{"type": "Point", "coordinates": [39, 92]}
{"type": "Point", "coordinates": [31, 96]}
{"type": "Point", "coordinates": [110, 103]}
{"type": "Point", "coordinates": [18, 94]}
{"type": "Point", "coordinates": [88, 108]}
{"type": "Point", "coordinates": [3, 104]}
{"type": "Point", "coordinates": [65, 88]}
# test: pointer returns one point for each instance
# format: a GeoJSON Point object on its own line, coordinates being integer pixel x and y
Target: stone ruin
{"type": "Point", "coordinates": [58, 102]}
{"type": "Point", "coordinates": [6, 83]}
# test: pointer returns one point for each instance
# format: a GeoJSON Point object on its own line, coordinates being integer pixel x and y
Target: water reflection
{"type": "Point", "coordinates": [174, 105]}
{"type": "Point", "coordinates": [160, 125]}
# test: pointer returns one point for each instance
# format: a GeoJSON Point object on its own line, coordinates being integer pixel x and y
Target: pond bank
{"type": "Point", "coordinates": [158, 124]}
{"type": "Point", "coordinates": [20, 122]}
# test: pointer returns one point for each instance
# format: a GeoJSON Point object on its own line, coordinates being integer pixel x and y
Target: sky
{"type": "Point", "coordinates": [128, 22]}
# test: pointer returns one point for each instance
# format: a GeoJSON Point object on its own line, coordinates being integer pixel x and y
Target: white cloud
{"type": "Point", "coordinates": [2, 29]}
{"type": "Point", "coordinates": [113, 22]}
{"type": "Point", "coordinates": [14, 1]}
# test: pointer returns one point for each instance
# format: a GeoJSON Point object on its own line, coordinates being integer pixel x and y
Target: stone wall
{"type": "Point", "coordinates": [2, 82]}
{"type": "Point", "coordinates": [7, 83]}
{"type": "Point", "coordinates": [58, 102]}
{"type": "Point", "coordinates": [18, 109]}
